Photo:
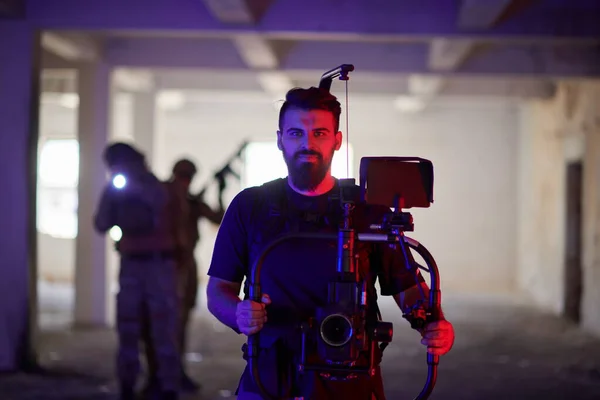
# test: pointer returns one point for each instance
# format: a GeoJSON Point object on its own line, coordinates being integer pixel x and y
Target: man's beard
{"type": "Point", "coordinates": [307, 175]}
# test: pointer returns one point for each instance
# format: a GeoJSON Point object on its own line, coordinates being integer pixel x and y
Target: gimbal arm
{"type": "Point", "coordinates": [433, 312]}
{"type": "Point", "coordinates": [435, 309]}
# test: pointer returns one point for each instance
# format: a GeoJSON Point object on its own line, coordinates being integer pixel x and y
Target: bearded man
{"type": "Point", "coordinates": [295, 274]}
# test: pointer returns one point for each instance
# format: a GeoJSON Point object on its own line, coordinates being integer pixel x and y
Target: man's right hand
{"type": "Point", "coordinates": [251, 316]}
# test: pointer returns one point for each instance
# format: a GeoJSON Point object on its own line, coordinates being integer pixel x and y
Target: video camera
{"type": "Point", "coordinates": [341, 329]}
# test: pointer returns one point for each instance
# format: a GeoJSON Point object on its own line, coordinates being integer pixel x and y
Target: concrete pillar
{"type": "Point", "coordinates": [19, 102]}
{"type": "Point", "coordinates": [91, 275]}
{"type": "Point", "coordinates": [144, 115]}
{"type": "Point", "coordinates": [590, 307]}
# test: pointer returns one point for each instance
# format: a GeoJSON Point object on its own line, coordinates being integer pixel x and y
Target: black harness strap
{"type": "Point", "coordinates": [284, 217]}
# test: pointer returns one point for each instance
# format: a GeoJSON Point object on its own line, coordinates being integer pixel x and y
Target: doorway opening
{"type": "Point", "coordinates": [58, 176]}
{"type": "Point", "coordinates": [573, 242]}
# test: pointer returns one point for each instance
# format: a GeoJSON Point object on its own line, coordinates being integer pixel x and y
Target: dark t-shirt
{"type": "Point", "coordinates": [296, 273]}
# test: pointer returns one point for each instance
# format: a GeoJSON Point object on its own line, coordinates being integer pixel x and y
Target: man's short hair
{"type": "Point", "coordinates": [185, 168]}
{"type": "Point", "coordinates": [309, 99]}
{"type": "Point", "coordinates": [122, 153]}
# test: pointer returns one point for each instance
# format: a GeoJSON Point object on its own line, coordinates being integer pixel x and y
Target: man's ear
{"type": "Point", "coordinates": [279, 145]}
{"type": "Point", "coordinates": [338, 140]}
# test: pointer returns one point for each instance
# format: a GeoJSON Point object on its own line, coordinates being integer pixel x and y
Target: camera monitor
{"type": "Point", "coordinates": [383, 180]}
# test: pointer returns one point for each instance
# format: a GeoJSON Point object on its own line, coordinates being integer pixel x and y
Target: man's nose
{"type": "Point", "coordinates": [308, 140]}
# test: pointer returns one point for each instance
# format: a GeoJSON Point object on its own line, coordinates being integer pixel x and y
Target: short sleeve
{"type": "Point", "coordinates": [393, 275]}
{"type": "Point", "coordinates": [230, 254]}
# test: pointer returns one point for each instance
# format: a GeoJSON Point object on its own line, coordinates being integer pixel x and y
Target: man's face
{"type": "Point", "coordinates": [308, 140]}
{"type": "Point", "coordinates": [183, 181]}
{"type": "Point", "coordinates": [119, 168]}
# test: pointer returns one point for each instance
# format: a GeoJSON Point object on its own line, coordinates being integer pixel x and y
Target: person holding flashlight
{"type": "Point", "coordinates": [151, 215]}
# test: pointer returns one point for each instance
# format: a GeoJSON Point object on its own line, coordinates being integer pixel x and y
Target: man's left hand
{"type": "Point", "coordinates": [438, 336]}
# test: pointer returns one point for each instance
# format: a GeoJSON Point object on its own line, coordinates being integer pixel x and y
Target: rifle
{"type": "Point", "coordinates": [221, 175]}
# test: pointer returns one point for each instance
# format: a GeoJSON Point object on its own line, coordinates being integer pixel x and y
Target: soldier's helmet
{"type": "Point", "coordinates": [184, 168]}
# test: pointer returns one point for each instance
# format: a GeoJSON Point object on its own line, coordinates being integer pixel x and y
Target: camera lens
{"type": "Point", "coordinates": [336, 330]}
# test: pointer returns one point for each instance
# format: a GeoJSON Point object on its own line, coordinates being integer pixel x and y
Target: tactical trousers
{"type": "Point", "coordinates": [148, 290]}
{"type": "Point", "coordinates": [187, 293]}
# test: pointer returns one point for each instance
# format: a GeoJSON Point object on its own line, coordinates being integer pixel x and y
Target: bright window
{"type": "Point", "coordinates": [264, 162]}
{"type": "Point", "coordinates": [58, 176]}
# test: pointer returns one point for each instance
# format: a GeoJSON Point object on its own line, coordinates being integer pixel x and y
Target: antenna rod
{"type": "Point", "coordinates": [341, 71]}
{"type": "Point", "coordinates": [347, 136]}
{"type": "Point", "coordinates": [327, 78]}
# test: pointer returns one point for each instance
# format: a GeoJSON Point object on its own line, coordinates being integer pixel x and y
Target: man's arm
{"type": "Point", "coordinates": [222, 300]}
{"type": "Point", "coordinates": [104, 218]}
{"type": "Point", "coordinates": [204, 210]}
{"type": "Point", "coordinates": [410, 288]}
{"type": "Point", "coordinates": [438, 335]}
{"type": "Point", "coordinates": [243, 316]}
{"type": "Point", "coordinates": [409, 297]}
{"type": "Point", "coordinates": [229, 264]}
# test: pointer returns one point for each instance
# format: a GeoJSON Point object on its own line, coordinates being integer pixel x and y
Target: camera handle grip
{"type": "Point", "coordinates": [434, 313]}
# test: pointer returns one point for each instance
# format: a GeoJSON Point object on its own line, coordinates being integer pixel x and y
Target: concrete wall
{"type": "Point", "coordinates": [591, 214]}
{"type": "Point", "coordinates": [471, 227]}
{"type": "Point", "coordinates": [553, 133]}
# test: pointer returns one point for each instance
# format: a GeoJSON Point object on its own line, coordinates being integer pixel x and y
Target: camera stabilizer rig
{"type": "Point", "coordinates": [343, 332]}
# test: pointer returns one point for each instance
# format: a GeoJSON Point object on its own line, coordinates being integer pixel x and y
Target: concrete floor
{"type": "Point", "coordinates": [503, 350]}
